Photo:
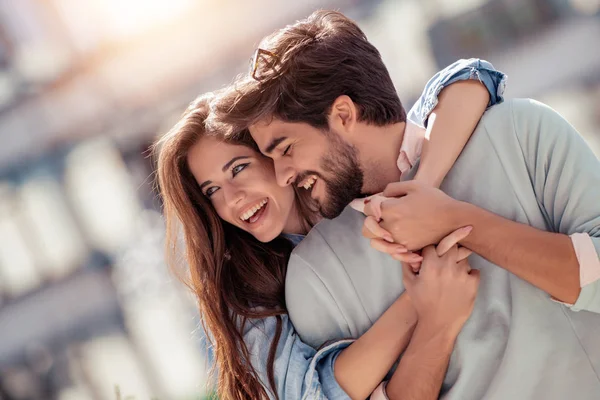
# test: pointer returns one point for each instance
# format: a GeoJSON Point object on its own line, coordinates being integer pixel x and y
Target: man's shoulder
{"type": "Point", "coordinates": [337, 246]}
{"type": "Point", "coordinates": [331, 278]}
{"type": "Point", "coordinates": [525, 122]}
{"type": "Point", "coordinates": [319, 292]}
{"type": "Point", "coordinates": [518, 110]}
{"type": "Point", "coordinates": [332, 237]}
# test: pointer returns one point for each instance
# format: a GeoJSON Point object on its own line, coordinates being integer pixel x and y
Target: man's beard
{"type": "Point", "coordinates": [344, 177]}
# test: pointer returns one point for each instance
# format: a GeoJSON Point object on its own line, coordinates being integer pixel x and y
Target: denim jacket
{"type": "Point", "coordinates": [302, 372]}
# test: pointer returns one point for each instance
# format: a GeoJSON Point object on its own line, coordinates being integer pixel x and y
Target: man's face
{"type": "Point", "coordinates": [319, 161]}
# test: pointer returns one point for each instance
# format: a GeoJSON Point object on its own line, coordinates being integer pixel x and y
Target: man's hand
{"type": "Point", "coordinates": [399, 252]}
{"type": "Point", "coordinates": [417, 215]}
{"type": "Point", "coordinates": [444, 291]}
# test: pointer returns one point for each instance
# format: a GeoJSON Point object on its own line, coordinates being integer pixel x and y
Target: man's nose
{"type": "Point", "coordinates": [284, 173]}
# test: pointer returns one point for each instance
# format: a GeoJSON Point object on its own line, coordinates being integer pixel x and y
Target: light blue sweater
{"type": "Point", "coordinates": [525, 163]}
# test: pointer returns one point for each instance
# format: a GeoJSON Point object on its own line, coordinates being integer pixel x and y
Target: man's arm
{"type": "Point", "coordinates": [422, 368]}
{"type": "Point", "coordinates": [565, 176]}
{"type": "Point", "coordinates": [444, 294]}
{"type": "Point", "coordinates": [544, 259]}
{"type": "Point", "coordinates": [547, 260]}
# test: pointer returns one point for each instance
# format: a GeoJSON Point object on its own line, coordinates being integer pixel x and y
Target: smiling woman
{"type": "Point", "coordinates": [239, 183]}
{"type": "Point", "coordinates": [232, 212]}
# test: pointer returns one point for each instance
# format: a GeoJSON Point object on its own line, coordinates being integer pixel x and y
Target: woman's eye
{"type": "Point", "coordinates": [238, 168]}
{"type": "Point", "coordinates": [211, 190]}
{"type": "Point", "coordinates": [287, 149]}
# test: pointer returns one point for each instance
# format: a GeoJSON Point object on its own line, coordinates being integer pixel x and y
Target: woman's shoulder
{"type": "Point", "coordinates": [261, 328]}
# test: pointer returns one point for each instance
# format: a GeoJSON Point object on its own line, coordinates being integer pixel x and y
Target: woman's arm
{"type": "Point", "coordinates": [346, 368]}
{"type": "Point", "coordinates": [361, 367]}
{"type": "Point", "coordinates": [450, 107]}
{"type": "Point", "coordinates": [449, 128]}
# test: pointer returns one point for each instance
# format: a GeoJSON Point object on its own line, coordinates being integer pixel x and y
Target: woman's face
{"type": "Point", "coordinates": [242, 187]}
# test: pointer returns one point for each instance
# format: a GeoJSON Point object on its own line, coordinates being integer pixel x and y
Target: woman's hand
{"type": "Point", "coordinates": [381, 240]}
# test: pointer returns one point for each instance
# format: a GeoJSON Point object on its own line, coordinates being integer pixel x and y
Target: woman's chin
{"type": "Point", "coordinates": [266, 237]}
{"type": "Point", "coordinates": [267, 233]}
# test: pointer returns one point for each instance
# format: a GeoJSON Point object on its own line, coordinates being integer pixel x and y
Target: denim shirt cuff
{"type": "Point", "coordinates": [474, 68]}
{"type": "Point", "coordinates": [323, 365]}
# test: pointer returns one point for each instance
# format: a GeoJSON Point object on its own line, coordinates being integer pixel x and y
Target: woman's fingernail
{"type": "Point", "coordinates": [388, 238]}
{"type": "Point", "coordinates": [401, 250]}
{"type": "Point", "coordinates": [467, 229]}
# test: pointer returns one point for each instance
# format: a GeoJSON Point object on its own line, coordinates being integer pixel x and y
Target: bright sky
{"type": "Point", "coordinates": [92, 21]}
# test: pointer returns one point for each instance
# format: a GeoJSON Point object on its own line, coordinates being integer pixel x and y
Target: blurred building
{"type": "Point", "coordinates": [88, 309]}
{"type": "Point", "coordinates": [545, 46]}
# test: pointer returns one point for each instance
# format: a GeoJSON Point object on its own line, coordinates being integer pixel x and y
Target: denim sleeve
{"type": "Point", "coordinates": [300, 371]}
{"type": "Point", "coordinates": [473, 68]}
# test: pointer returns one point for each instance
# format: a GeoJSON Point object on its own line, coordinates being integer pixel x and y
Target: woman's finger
{"type": "Point", "coordinates": [386, 247]}
{"type": "Point", "coordinates": [367, 233]}
{"type": "Point", "coordinates": [409, 258]}
{"type": "Point", "coordinates": [373, 230]}
{"type": "Point", "coordinates": [452, 239]}
{"type": "Point", "coordinates": [373, 206]}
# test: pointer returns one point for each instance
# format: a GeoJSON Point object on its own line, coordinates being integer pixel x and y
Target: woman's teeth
{"type": "Point", "coordinates": [308, 182]}
{"type": "Point", "coordinates": [248, 214]}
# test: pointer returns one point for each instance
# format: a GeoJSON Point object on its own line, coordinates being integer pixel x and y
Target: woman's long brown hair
{"type": "Point", "coordinates": [234, 276]}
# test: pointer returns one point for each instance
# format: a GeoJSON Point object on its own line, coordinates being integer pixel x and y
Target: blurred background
{"type": "Point", "coordinates": [88, 309]}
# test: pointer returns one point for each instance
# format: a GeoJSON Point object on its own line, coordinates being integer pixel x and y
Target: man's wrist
{"type": "Point", "coordinates": [442, 333]}
{"type": "Point", "coordinates": [406, 310]}
{"type": "Point", "coordinates": [466, 214]}
{"type": "Point", "coordinates": [459, 214]}
{"type": "Point", "coordinates": [423, 363]}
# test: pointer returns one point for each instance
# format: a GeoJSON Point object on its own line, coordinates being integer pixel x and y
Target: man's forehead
{"type": "Point", "coordinates": [261, 133]}
{"type": "Point", "coordinates": [275, 125]}
{"type": "Point", "coordinates": [269, 124]}
{"type": "Point", "coordinates": [265, 130]}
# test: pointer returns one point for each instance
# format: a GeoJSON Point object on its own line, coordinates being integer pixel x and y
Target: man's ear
{"type": "Point", "coordinates": [342, 116]}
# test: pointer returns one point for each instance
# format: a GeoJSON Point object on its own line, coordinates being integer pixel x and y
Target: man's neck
{"type": "Point", "coordinates": [379, 147]}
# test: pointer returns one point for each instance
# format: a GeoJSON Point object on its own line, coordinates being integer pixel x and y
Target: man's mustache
{"type": "Point", "coordinates": [306, 174]}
